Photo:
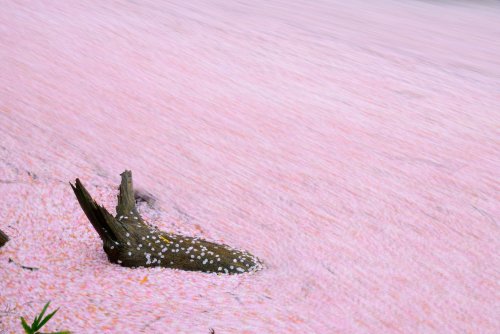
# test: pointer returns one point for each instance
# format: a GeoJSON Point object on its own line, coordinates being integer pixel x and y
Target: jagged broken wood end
{"type": "Point", "coordinates": [3, 238]}
{"type": "Point", "coordinates": [131, 242]}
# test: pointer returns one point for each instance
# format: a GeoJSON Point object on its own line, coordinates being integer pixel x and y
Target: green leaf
{"type": "Point", "coordinates": [47, 318]}
{"type": "Point", "coordinates": [27, 328]}
{"type": "Point", "coordinates": [36, 323]}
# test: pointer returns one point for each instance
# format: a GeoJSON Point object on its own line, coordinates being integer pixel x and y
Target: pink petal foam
{"type": "Point", "coordinates": [351, 145]}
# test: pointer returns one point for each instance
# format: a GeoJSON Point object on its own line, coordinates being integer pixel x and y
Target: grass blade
{"type": "Point", "coordinates": [27, 328]}
{"type": "Point", "coordinates": [36, 323]}
{"type": "Point", "coordinates": [47, 318]}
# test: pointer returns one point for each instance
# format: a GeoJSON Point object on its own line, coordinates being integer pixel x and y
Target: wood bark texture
{"type": "Point", "coordinates": [3, 238]}
{"type": "Point", "coordinates": [131, 242]}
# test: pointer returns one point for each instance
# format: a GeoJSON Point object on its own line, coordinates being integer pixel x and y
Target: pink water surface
{"type": "Point", "coordinates": [352, 145]}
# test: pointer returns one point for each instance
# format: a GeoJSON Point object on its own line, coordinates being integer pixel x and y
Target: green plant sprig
{"type": "Point", "coordinates": [39, 322]}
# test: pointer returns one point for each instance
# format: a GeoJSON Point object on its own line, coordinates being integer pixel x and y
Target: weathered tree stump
{"type": "Point", "coordinates": [130, 242]}
{"type": "Point", "coordinates": [3, 238]}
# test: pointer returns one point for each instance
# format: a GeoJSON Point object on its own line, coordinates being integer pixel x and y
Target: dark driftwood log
{"type": "Point", "coordinates": [3, 238]}
{"type": "Point", "coordinates": [129, 241]}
